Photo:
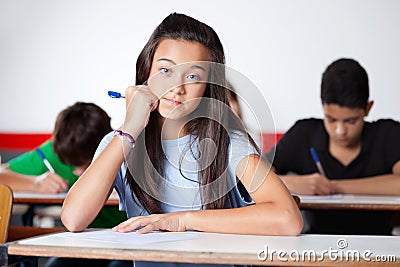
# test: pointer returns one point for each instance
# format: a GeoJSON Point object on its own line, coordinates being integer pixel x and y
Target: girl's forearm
{"type": "Point", "coordinates": [88, 195]}
{"type": "Point", "coordinates": [258, 219]}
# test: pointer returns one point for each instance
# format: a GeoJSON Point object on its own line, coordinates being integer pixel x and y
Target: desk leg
{"type": "Point", "coordinates": [11, 260]}
{"type": "Point", "coordinates": [20, 261]}
{"type": "Point", "coordinates": [32, 262]}
{"type": "Point", "coordinates": [28, 216]}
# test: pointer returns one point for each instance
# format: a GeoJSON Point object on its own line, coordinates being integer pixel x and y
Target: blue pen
{"type": "Point", "coordinates": [317, 161]}
{"type": "Point", "coordinates": [113, 94]}
{"type": "Point", "coordinates": [45, 161]}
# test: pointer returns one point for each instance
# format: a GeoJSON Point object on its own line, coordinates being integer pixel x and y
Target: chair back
{"type": "Point", "coordinates": [6, 202]}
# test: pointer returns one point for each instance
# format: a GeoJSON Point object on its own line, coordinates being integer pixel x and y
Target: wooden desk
{"type": "Point", "coordinates": [33, 199]}
{"type": "Point", "coordinates": [52, 199]}
{"type": "Point", "coordinates": [351, 202]}
{"type": "Point", "coordinates": [221, 249]}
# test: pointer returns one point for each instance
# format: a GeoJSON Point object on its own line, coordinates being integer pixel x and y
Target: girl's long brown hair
{"type": "Point", "coordinates": [146, 161]}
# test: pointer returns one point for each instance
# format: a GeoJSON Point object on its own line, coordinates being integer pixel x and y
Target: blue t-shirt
{"type": "Point", "coordinates": [181, 192]}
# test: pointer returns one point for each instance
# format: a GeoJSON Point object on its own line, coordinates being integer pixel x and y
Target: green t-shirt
{"type": "Point", "coordinates": [31, 164]}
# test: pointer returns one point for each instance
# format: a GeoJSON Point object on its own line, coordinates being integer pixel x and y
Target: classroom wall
{"type": "Point", "coordinates": [53, 53]}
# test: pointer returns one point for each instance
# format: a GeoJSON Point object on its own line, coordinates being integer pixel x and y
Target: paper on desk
{"type": "Point", "coordinates": [39, 195]}
{"type": "Point", "coordinates": [353, 199]}
{"type": "Point", "coordinates": [131, 237]}
{"type": "Point", "coordinates": [324, 197]}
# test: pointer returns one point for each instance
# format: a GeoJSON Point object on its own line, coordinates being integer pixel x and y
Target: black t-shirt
{"type": "Point", "coordinates": [379, 152]}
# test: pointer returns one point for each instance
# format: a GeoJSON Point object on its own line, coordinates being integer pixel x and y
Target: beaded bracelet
{"type": "Point", "coordinates": [125, 137]}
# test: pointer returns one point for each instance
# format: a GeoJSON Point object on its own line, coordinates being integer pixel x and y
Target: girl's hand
{"type": "Point", "coordinates": [172, 222]}
{"type": "Point", "coordinates": [140, 101]}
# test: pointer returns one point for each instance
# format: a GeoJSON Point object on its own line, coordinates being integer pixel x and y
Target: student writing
{"type": "Point", "coordinates": [78, 130]}
{"type": "Point", "coordinates": [358, 157]}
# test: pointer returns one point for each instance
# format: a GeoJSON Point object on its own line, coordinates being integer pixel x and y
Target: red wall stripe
{"type": "Point", "coordinates": [18, 141]}
{"type": "Point", "coordinates": [270, 140]}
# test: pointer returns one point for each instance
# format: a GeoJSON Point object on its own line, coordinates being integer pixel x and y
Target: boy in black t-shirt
{"type": "Point", "coordinates": [357, 157]}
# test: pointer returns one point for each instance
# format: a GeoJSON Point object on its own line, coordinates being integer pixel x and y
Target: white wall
{"type": "Point", "coordinates": [53, 52]}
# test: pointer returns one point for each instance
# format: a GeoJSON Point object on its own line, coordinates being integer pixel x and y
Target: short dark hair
{"type": "Point", "coordinates": [345, 83]}
{"type": "Point", "coordinates": [78, 131]}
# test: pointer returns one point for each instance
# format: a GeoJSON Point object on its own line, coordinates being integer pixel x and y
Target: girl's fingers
{"type": "Point", "coordinates": [131, 224]}
{"type": "Point", "coordinates": [148, 228]}
{"type": "Point", "coordinates": [126, 227]}
{"type": "Point", "coordinates": [151, 223]}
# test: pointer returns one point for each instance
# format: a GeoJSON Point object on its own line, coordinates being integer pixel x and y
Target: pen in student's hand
{"type": "Point", "coordinates": [317, 161]}
{"type": "Point", "coordinates": [113, 94]}
{"type": "Point", "coordinates": [45, 161]}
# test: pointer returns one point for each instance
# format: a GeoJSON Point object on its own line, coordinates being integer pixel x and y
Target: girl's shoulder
{"type": "Point", "coordinates": [103, 143]}
{"type": "Point", "coordinates": [241, 141]}
{"type": "Point", "coordinates": [236, 134]}
{"type": "Point", "coordinates": [106, 140]}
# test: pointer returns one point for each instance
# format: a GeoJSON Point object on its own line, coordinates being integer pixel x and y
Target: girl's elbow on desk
{"type": "Point", "coordinates": [292, 223]}
{"type": "Point", "coordinates": [71, 224]}
{"type": "Point", "coordinates": [72, 220]}
{"type": "Point", "coordinates": [275, 221]}
{"type": "Point", "coordinates": [284, 221]}
{"type": "Point", "coordinates": [292, 219]}
{"type": "Point", "coordinates": [288, 224]}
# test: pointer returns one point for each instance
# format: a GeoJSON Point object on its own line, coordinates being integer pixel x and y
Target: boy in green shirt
{"type": "Point", "coordinates": [78, 131]}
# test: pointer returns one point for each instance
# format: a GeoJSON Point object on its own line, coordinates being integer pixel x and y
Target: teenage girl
{"type": "Point", "coordinates": [178, 162]}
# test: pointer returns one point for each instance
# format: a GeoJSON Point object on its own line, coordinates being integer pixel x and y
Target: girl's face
{"type": "Point", "coordinates": [178, 76]}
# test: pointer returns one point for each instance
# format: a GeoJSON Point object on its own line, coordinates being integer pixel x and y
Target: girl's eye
{"type": "Point", "coordinates": [165, 71]}
{"type": "Point", "coordinates": [193, 77]}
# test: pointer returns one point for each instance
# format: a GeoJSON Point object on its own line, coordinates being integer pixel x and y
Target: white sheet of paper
{"type": "Point", "coordinates": [352, 199]}
{"type": "Point", "coordinates": [132, 237]}
{"type": "Point", "coordinates": [326, 197]}
{"type": "Point", "coordinates": [39, 195]}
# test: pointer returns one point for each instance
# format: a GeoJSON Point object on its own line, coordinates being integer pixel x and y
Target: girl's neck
{"type": "Point", "coordinates": [172, 129]}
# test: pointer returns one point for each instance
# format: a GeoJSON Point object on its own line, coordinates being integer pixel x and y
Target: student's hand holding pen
{"type": "Point", "coordinates": [312, 184]}
{"type": "Point", "coordinates": [49, 182]}
{"type": "Point", "coordinates": [140, 102]}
